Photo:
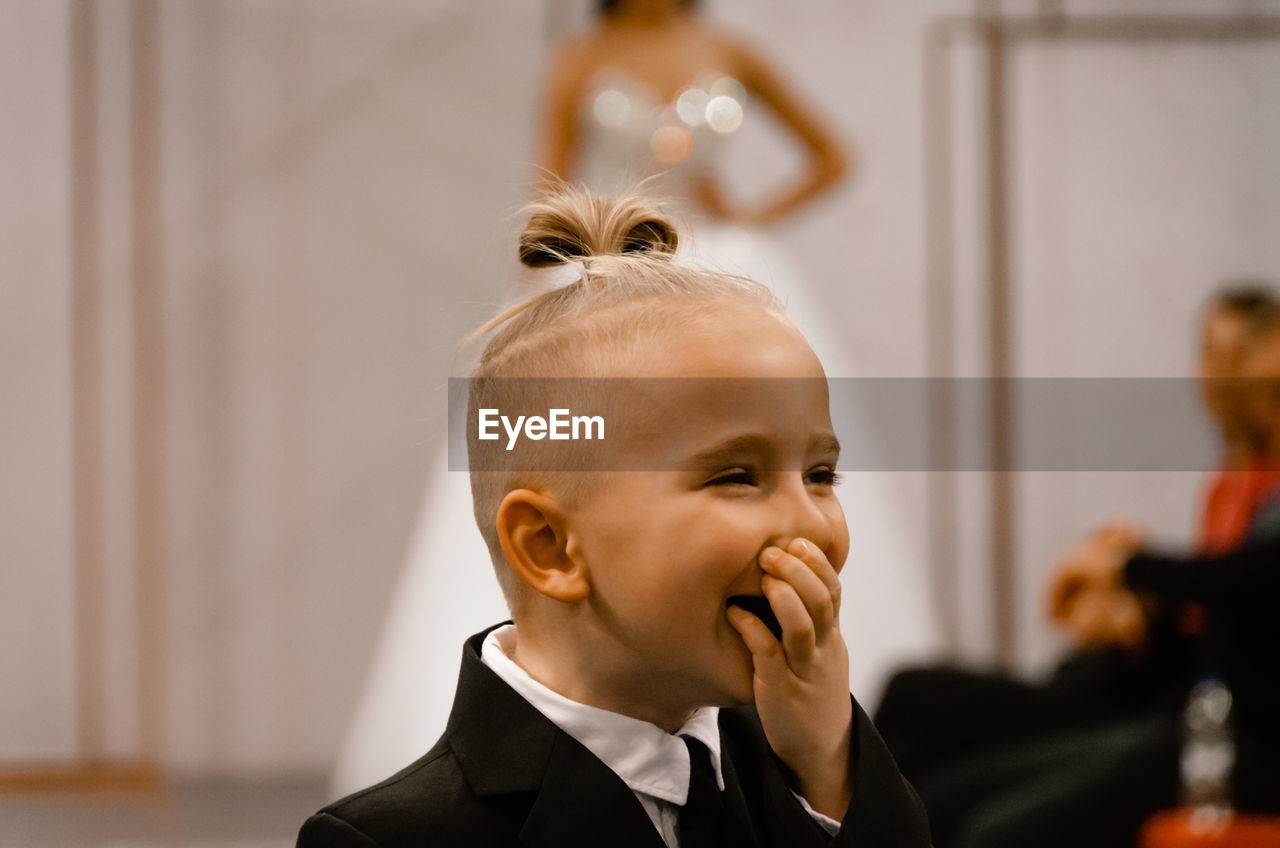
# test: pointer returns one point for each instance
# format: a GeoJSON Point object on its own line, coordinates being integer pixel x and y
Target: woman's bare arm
{"type": "Point", "coordinates": [560, 133]}
{"type": "Point", "coordinates": [827, 160]}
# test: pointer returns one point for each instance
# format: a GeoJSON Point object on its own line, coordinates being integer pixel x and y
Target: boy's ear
{"type": "Point", "coordinates": [531, 528]}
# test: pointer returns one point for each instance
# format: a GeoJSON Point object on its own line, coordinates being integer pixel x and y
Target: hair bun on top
{"type": "Point", "coordinates": [577, 224]}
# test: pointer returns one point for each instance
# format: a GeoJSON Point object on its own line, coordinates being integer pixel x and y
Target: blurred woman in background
{"type": "Point", "coordinates": [653, 89]}
{"type": "Point", "coordinates": [654, 92]}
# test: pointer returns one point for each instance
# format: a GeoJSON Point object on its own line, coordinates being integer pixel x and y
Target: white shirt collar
{"type": "Point", "coordinates": [646, 757]}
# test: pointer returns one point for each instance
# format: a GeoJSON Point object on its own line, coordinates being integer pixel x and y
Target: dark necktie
{"type": "Point", "coordinates": [700, 817]}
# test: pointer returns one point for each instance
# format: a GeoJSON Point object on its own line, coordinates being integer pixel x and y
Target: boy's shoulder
{"type": "Point", "coordinates": [429, 801]}
{"type": "Point", "coordinates": [483, 783]}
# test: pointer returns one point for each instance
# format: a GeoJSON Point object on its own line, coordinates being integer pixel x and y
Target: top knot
{"type": "Point", "coordinates": [577, 224]}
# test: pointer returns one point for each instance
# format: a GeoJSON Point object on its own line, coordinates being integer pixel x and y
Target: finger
{"type": "Point", "coordinates": [1086, 624]}
{"type": "Point", "coordinates": [812, 556]}
{"type": "Point", "coordinates": [766, 652]}
{"type": "Point", "coordinates": [1130, 622]}
{"type": "Point", "coordinates": [808, 586]}
{"type": "Point", "coordinates": [1115, 529]}
{"type": "Point", "coordinates": [798, 637]}
{"type": "Point", "coordinates": [1123, 534]}
{"type": "Point", "coordinates": [1103, 625]}
{"type": "Point", "coordinates": [1063, 592]}
{"type": "Point", "coordinates": [1067, 589]}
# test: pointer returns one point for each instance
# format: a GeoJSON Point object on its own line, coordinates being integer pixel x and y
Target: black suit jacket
{"type": "Point", "coordinates": [503, 775]}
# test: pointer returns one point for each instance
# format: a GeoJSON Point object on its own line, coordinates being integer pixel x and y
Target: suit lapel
{"type": "Point", "coordinates": [501, 741]}
{"type": "Point", "coordinates": [583, 803]}
{"type": "Point", "coordinates": [505, 746]}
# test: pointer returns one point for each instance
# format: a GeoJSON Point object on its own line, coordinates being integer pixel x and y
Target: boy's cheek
{"type": "Point", "coordinates": [844, 553]}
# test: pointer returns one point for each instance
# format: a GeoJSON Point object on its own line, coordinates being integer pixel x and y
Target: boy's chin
{"type": "Point", "coordinates": [735, 695]}
{"type": "Point", "coordinates": [740, 690]}
{"type": "Point", "coordinates": [744, 697]}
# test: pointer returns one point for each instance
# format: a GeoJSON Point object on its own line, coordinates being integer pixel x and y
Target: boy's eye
{"type": "Point", "coordinates": [824, 477]}
{"type": "Point", "coordinates": [734, 477]}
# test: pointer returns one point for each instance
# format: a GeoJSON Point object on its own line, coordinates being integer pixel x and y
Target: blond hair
{"type": "Point", "coordinates": [631, 291]}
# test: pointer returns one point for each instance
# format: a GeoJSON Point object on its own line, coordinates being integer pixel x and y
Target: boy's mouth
{"type": "Point", "coordinates": [758, 606]}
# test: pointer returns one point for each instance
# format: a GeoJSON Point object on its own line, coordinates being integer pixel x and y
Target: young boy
{"type": "Point", "coordinates": [675, 674]}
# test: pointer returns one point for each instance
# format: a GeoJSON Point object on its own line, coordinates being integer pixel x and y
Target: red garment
{"type": "Point", "coordinates": [1234, 496]}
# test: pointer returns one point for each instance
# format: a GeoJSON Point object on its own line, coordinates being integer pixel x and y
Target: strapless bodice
{"type": "Point", "coordinates": [630, 132]}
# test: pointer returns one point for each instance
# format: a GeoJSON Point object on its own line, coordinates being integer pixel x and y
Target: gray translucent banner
{"type": "Point", "coordinates": [1052, 424]}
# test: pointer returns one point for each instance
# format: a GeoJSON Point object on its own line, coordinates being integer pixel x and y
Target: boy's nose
{"type": "Point", "coordinates": [801, 517]}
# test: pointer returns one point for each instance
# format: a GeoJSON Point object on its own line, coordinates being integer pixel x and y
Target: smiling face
{"type": "Point", "coordinates": [743, 459]}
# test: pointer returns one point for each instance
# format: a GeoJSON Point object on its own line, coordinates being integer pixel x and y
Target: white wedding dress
{"type": "Point", "coordinates": [447, 589]}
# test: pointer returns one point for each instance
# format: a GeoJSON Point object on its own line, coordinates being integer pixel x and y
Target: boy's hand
{"type": "Point", "coordinates": [802, 683]}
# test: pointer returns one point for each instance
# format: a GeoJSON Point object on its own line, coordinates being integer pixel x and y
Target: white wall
{"type": "Point", "coordinates": [37, 603]}
{"type": "Point", "coordinates": [338, 176]}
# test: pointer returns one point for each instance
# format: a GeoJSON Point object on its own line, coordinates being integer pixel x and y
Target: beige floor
{"type": "Point", "coordinates": [211, 814]}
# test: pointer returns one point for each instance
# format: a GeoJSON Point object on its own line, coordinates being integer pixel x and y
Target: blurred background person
{"type": "Point", "coordinates": [1234, 591]}
{"type": "Point", "coordinates": [1000, 760]}
{"type": "Point", "coordinates": [653, 90]}
{"type": "Point", "coordinates": [1234, 588]}
{"type": "Point", "coordinates": [1236, 340]}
